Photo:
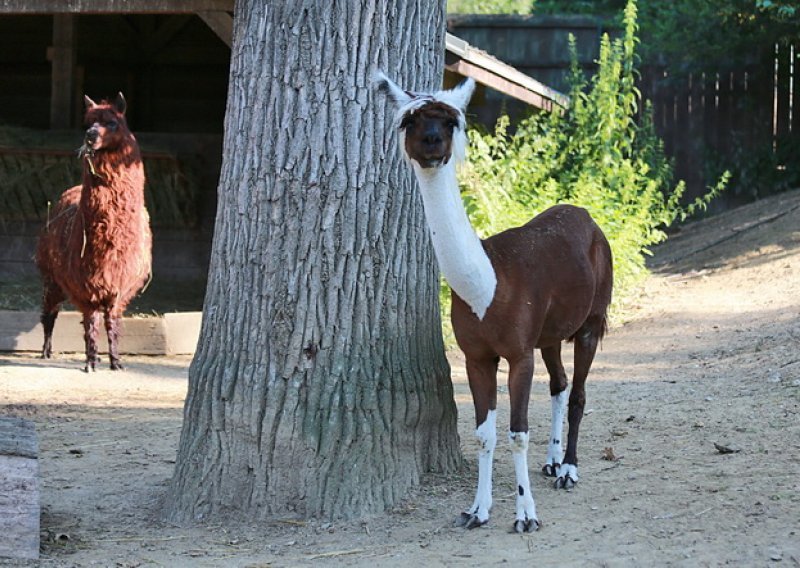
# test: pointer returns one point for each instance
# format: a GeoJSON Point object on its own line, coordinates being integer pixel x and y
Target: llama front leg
{"type": "Point", "coordinates": [91, 324]}
{"type": "Point", "coordinates": [519, 389]}
{"type": "Point", "coordinates": [478, 513]}
{"type": "Point", "coordinates": [113, 323]}
{"type": "Point", "coordinates": [482, 376]}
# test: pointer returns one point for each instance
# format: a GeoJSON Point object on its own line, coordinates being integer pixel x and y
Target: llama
{"type": "Point", "coordinates": [529, 287]}
{"type": "Point", "coordinates": [96, 247]}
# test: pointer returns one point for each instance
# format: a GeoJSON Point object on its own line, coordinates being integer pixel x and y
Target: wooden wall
{"type": "Point", "coordinates": [172, 69]}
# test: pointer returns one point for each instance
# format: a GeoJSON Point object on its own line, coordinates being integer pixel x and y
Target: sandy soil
{"type": "Point", "coordinates": [710, 354]}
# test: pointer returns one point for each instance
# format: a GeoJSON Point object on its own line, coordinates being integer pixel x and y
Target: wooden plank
{"type": "Point", "coordinates": [681, 128]}
{"type": "Point", "coordinates": [694, 132]}
{"type": "Point", "coordinates": [499, 83]}
{"type": "Point", "coordinates": [507, 76]}
{"type": "Point", "coordinates": [113, 6]}
{"type": "Point", "coordinates": [19, 489]}
{"type": "Point", "coordinates": [62, 58]}
{"type": "Point", "coordinates": [725, 111]}
{"type": "Point", "coordinates": [794, 123]}
{"type": "Point", "coordinates": [183, 332]}
{"type": "Point", "coordinates": [221, 23]}
{"type": "Point", "coordinates": [782, 94]}
{"type": "Point", "coordinates": [21, 331]}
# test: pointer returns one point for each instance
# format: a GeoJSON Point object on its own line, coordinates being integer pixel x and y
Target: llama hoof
{"type": "Point", "coordinates": [550, 469]}
{"type": "Point", "coordinates": [567, 477]}
{"type": "Point", "coordinates": [526, 525]}
{"type": "Point", "coordinates": [91, 365]}
{"type": "Point", "coordinates": [117, 366]}
{"type": "Point", "coordinates": [469, 521]}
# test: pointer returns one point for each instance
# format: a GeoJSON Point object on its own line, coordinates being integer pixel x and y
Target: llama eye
{"type": "Point", "coordinates": [452, 124]}
{"type": "Point", "coordinates": [112, 124]}
{"type": "Point", "coordinates": [407, 121]}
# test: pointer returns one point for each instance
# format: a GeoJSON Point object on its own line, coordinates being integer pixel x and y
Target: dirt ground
{"type": "Point", "coordinates": [709, 355]}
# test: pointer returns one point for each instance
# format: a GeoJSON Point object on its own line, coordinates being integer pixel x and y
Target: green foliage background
{"type": "Point", "coordinates": [601, 154]}
{"type": "Point", "coordinates": [489, 6]}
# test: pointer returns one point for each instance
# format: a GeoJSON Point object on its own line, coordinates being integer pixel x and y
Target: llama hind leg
{"type": "Point", "coordinates": [91, 324]}
{"type": "Point", "coordinates": [52, 299]}
{"type": "Point", "coordinates": [112, 324]}
{"type": "Point", "coordinates": [586, 342]}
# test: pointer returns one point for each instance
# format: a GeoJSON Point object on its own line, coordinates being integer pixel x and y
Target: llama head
{"type": "Point", "coordinates": [106, 127]}
{"type": "Point", "coordinates": [432, 126]}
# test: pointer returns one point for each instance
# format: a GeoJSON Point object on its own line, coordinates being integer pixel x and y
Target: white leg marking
{"type": "Point", "coordinates": [526, 519]}
{"type": "Point", "coordinates": [555, 449]}
{"type": "Point", "coordinates": [487, 435]}
{"type": "Point", "coordinates": [566, 476]}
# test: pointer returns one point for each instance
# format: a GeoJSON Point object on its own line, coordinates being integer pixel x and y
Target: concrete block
{"type": "Point", "coordinates": [19, 489]}
{"type": "Point", "coordinates": [182, 332]}
{"type": "Point", "coordinates": [21, 331]}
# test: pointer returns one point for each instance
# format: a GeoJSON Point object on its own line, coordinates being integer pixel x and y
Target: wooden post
{"type": "Point", "coordinates": [62, 59]}
{"type": "Point", "coordinates": [19, 489]}
{"type": "Point", "coordinates": [221, 23]}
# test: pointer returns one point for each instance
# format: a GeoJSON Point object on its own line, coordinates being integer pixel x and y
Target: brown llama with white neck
{"type": "Point", "coordinates": [529, 287]}
{"type": "Point", "coordinates": [96, 247]}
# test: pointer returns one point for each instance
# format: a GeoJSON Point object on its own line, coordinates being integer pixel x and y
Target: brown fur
{"type": "Point", "coordinates": [554, 279]}
{"type": "Point", "coordinates": [96, 247]}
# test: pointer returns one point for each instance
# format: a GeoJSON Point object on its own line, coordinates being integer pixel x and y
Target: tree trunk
{"type": "Point", "coordinates": [320, 386]}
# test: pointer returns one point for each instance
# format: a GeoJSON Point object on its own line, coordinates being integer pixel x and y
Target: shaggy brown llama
{"type": "Point", "coordinates": [96, 247]}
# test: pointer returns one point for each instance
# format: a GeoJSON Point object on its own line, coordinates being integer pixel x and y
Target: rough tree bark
{"type": "Point", "coordinates": [320, 386]}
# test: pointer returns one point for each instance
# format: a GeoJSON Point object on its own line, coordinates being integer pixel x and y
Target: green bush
{"type": "Point", "coordinates": [489, 6]}
{"type": "Point", "coordinates": [601, 154]}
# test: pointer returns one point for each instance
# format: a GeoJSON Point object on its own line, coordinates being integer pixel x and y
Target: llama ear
{"type": "Point", "coordinates": [120, 104]}
{"type": "Point", "coordinates": [89, 102]}
{"type": "Point", "coordinates": [460, 95]}
{"type": "Point", "coordinates": [386, 85]}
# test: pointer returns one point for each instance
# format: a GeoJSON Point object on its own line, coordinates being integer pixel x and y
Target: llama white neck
{"type": "Point", "coordinates": [461, 257]}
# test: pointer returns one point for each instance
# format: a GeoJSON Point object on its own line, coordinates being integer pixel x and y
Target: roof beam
{"type": "Point", "coordinates": [113, 6]}
{"type": "Point", "coordinates": [464, 59]}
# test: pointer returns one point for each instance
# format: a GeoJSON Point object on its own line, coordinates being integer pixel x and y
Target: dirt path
{"type": "Point", "coordinates": [710, 355]}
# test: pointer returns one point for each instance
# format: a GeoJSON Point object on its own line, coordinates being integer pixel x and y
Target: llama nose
{"type": "Point", "coordinates": [91, 135]}
{"type": "Point", "coordinates": [432, 138]}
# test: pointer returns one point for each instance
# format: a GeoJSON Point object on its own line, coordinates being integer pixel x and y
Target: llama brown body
{"type": "Point", "coordinates": [530, 287]}
{"type": "Point", "coordinates": [95, 249]}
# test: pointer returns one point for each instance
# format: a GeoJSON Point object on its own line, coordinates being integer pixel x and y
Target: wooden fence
{"type": "Point", "coordinates": [744, 119]}
{"type": "Point", "coordinates": [740, 118]}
